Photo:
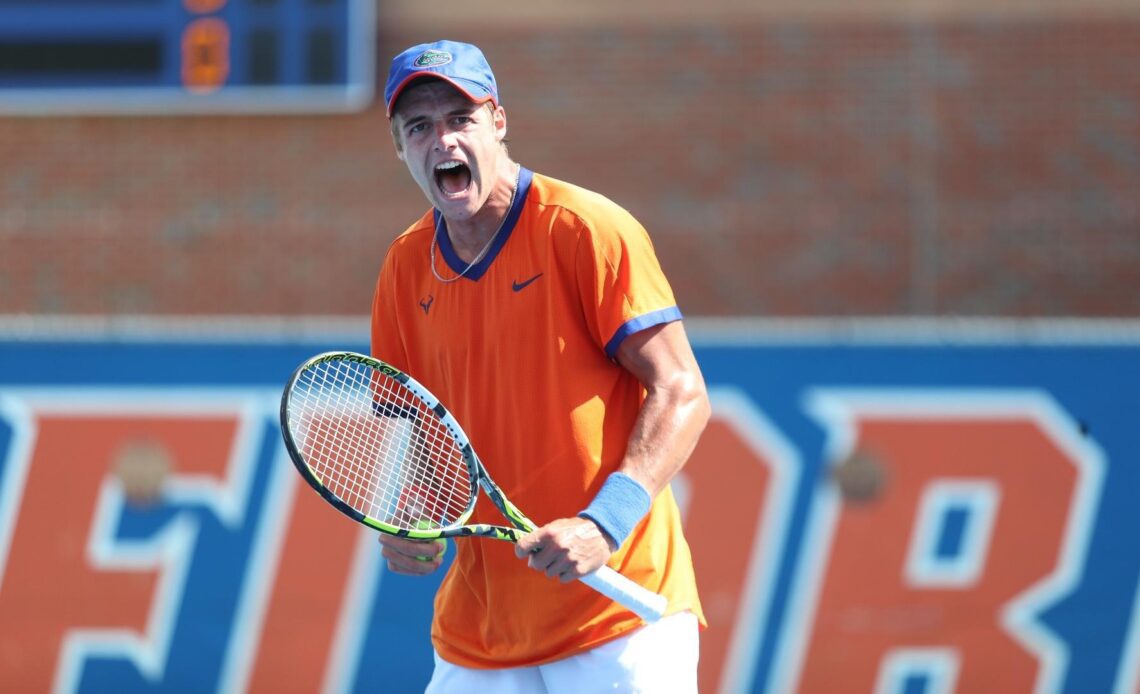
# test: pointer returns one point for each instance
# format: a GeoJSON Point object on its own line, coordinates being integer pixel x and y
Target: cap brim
{"type": "Point", "coordinates": [477, 99]}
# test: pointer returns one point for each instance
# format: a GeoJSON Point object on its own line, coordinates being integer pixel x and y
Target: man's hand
{"type": "Point", "coordinates": [412, 557]}
{"type": "Point", "coordinates": [566, 549]}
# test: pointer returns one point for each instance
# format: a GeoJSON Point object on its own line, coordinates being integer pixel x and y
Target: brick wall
{"type": "Point", "coordinates": [784, 167]}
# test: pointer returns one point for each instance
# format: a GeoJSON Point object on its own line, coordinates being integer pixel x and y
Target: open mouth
{"type": "Point", "coordinates": [452, 177]}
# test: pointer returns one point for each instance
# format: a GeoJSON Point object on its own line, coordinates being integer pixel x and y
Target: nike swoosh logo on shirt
{"type": "Point", "coordinates": [519, 286]}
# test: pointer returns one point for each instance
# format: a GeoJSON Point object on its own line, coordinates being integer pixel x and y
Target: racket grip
{"type": "Point", "coordinates": [645, 603]}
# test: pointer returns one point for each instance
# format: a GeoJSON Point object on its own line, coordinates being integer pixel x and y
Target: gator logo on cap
{"type": "Point", "coordinates": [433, 59]}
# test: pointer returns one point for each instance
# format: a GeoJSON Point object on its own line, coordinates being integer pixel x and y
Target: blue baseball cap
{"type": "Point", "coordinates": [461, 64]}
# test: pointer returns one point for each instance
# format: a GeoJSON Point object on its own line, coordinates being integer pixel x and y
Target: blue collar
{"type": "Point", "coordinates": [443, 240]}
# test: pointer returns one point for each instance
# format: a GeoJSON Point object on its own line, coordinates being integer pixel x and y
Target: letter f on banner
{"type": "Point", "coordinates": [73, 585]}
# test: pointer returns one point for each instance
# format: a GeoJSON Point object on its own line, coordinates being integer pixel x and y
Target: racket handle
{"type": "Point", "coordinates": [648, 605]}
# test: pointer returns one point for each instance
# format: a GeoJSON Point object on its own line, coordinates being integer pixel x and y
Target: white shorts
{"type": "Point", "coordinates": [660, 657]}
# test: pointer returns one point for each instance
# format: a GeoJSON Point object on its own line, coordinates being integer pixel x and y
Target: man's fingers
{"type": "Point", "coordinates": [544, 554]}
{"type": "Point", "coordinates": [415, 557]}
{"type": "Point", "coordinates": [433, 549]}
{"type": "Point", "coordinates": [539, 557]}
{"type": "Point", "coordinates": [415, 566]}
{"type": "Point", "coordinates": [528, 545]}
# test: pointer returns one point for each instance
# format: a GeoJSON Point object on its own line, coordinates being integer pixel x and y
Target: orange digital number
{"type": "Point", "coordinates": [203, 6]}
{"type": "Point", "coordinates": [205, 54]}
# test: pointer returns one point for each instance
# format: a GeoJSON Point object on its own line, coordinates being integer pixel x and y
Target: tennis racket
{"type": "Point", "coordinates": [382, 450]}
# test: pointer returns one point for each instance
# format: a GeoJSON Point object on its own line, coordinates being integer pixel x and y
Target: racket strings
{"type": "Point", "coordinates": [378, 447]}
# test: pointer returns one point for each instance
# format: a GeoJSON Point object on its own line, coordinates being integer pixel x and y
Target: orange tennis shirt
{"type": "Point", "coordinates": [521, 349]}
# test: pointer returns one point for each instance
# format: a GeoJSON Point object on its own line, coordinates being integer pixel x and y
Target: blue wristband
{"type": "Point", "coordinates": [621, 503]}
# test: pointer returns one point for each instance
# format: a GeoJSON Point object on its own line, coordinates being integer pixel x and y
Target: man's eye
{"type": "Point", "coordinates": [417, 128]}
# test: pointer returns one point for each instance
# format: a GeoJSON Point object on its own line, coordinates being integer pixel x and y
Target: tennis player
{"type": "Point", "coordinates": [539, 313]}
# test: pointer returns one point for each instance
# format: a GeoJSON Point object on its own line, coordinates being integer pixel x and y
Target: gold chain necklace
{"type": "Point", "coordinates": [486, 247]}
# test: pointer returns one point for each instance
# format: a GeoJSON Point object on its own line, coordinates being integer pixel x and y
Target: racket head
{"type": "Point", "coordinates": [379, 446]}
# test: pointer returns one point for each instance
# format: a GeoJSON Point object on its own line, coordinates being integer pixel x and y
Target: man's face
{"type": "Point", "coordinates": [451, 146]}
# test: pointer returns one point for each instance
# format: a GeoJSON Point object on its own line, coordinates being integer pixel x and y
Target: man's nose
{"type": "Point", "coordinates": [444, 137]}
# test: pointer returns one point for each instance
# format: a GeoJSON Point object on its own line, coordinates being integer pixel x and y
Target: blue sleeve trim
{"type": "Point", "coordinates": [636, 325]}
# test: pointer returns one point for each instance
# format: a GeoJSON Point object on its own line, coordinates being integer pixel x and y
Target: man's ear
{"type": "Point", "coordinates": [499, 118]}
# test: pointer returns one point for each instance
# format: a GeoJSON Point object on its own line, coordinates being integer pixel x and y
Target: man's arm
{"type": "Point", "coordinates": [676, 407]}
{"type": "Point", "coordinates": [672, 417]}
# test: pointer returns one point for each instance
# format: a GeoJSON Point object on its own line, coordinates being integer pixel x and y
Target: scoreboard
{"type": "Point", "coordinates": [185, 56]}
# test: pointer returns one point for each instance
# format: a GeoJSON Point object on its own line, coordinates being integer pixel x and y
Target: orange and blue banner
{"type": "Point", "coordinates": [929, 511]}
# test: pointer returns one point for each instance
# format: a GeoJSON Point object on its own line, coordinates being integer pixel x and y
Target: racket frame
{"type": "Point", "coordinates": [648, 605]}
{"type": "Point", "coordinates": [477, 474]}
